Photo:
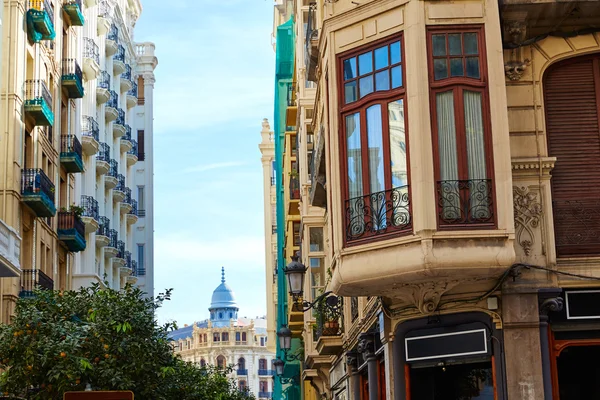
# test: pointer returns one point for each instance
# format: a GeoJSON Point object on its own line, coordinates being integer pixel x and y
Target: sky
{"type": "Point", "coordinates": [214, 85]}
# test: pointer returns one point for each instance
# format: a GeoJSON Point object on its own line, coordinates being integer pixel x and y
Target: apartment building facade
{"type": "Point", "coordinates": [70, 107]}
{"type": "Point", "coordinates": [447, 171]}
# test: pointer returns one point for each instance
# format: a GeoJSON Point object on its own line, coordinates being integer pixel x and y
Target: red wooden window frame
{"type": "Point", "coordinates": [458, 84]}
{"type": "Point", "coordinates": [360, 106]}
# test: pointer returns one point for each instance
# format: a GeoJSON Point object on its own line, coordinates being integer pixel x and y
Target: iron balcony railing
{"type": "Point", "coordinates": [127, 199]}
{"type": "Point", "coordinates": [70, 144]}
{"type": "Point", "coordinates": [242, 372]}
{"type": "Point", "coordinates": [265, 372]}
{"type": "Point", "coordinates": [134, 90]}
{"type": "Point", "coordinates": [120, 54]}
{"type": "Point", "coordinates": [104, 228]}
{"type": "Point", "coordinates": [465, 202]}
{"type": "Point", "coordinates": [113, 100]}
{"type": "Point", "coordinates": [127, 135]}
{"type": "Point", "coordinates": [120, 183]}
{"type": "Point", "coordinates": [68, 220]}
{"type": "Point", "coordinates": [294, 188]}
{"type": "Point", "coordinates": [265, 395]}
{"type": "Point", "coordinates": [104, 9]}
{"type": "Point", "coordinates": [89, 127]}
{"type": "Point", "coordinates": [134, 268]}
{"type": "Point", "coordinates": [121, 117]}
{"type": "Point", "coordinates": [133, 150]}
{"type": "Point", "coordinates": [312, 34]}
{"type": "Point", "coordinates": [34, 278]}
{"type": "Point", "coordinates": [104, 153]}
{"type": "Point", "coordinates": [329, 318]}
{"type": "Point", "coordinates": [378, 213]}
{"type": "Point", "coordinates": [36, 89]}
{"type": "Point", "coordinates": [128, 259]}
{"type": "Point", "coordinates": [120, 249]}
{"type": "Point", "coordinates": [114, 168]}
{"type": "Point", "coordinates": [34, 181]}
{"type": "Point", "coordinates": [70, 66]}
{"type": "Point", "coordinates": [134, 209]}
{"type": "Point", "coordinates": [127, 74]}
{"type": "Point", "coordinates": [90, 207]}
{"type": "Point", "coordinates": [91, 50]}
{"type": "Point", "coordinates": [112, 238]}
{"type": "Point", "coordinates": [104, 80]}
{"type": "Point", "coordinates": [113, 33]}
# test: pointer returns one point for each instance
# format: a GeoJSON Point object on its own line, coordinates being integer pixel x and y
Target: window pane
{"type": "Point", "coordinates": [354, 158]}
{"type": "Point", "coordinates": [317, 276]}
{"type": "Point", "coordinates": [382, 80]}
{"type": "Point", "coordinates": [473, 67]}
{"type": "Point", "coordinates": [446, 136]}
{"type": "Point", "coordinates": [439, 45]}
{"type": "Point", "coordinates": [316, 239]}
{"type": "Point", "coordinates": [454, 44]}
{"type": "Point", "coordinates": [397, 143]}
{"type": "Point", "coordinates": [350, 92]}
{"type": "Point", "coordinates": [350, 68]}
{"type": "Point", "coordinates": [375, 154]}
{"type": "Point", "coordinates": [366, 85]}
{"type": "Point", "coordinates": [471, 45]}
{"type": "Point", "coordinates": [381, 57]}
{"type": "Point", "coordinates": [395, 53]}
{"type": "Point", "coordinates": [456, 67]}
{"type": "Point", "coordinates": [365, 63]}
{"type": "Point", "coordinates": [440, 69]}
{"type": "Point", "coordinates": [474, 134]}
{"type": "Point", "coordinates": [397, 77]}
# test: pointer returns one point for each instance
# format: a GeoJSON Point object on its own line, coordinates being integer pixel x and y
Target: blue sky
{"type": "Point", "coordinates": [214, 85]}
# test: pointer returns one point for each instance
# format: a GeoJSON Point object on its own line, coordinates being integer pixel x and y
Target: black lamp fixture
{"type": "Point", "coordinates": [285, 338]}
{"type": "Point", "coordinates": [295, 273]}
{"type": "Point", "coordinates": [278, 364]}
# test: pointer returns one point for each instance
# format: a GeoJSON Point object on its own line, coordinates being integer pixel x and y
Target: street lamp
{"type": "Point", "coordinates": [278, 364]}
{"type": "Point", "coordinates": [285, 338]}
{"type": "Point", "coordinates": [295, 274]}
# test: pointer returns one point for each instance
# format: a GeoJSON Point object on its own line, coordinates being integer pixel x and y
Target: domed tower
{"type": "Point", "coordinates": [223, 306]}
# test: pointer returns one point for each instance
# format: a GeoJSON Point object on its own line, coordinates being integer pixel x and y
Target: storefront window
{"type": "Point", "coordinates": [453, 382]}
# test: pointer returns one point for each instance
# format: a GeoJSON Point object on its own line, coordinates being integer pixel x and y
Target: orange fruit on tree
{"type": "Point", "coordinates": [63, 354]}
{"type": "Point", "coordinates": [107, 356]}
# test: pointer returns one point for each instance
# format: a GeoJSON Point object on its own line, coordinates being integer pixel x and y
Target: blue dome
{"type": "Point", "coordinates": [223, 296]}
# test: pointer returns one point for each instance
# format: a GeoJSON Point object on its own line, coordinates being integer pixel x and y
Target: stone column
{"type": "Point", "coordinates": [366, 346]}
{"type": "Point", "coordinates": [550, 304]}
{"type": "Point", "coordinates": [354, 387]}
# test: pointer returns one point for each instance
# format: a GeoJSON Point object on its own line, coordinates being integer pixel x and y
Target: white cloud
{"type": "Point", "coordinates": [209, 167]}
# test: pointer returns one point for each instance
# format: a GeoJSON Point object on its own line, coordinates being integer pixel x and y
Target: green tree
{"type": "Point", "coordinates": [62, 341]}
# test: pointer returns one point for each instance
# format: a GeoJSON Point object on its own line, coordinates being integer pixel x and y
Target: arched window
{"type": "Point", "coordinates": [225, 337]}
{"type": "Point", "coordinates": [262, 365]}
{"type": "Point", "coordinates": [220, 315]}
{"type": "Point", "coordinates": [205, 338]}
{"type": "Point", "coordinates": [202, 362]}
{"type": "Point", "coordinates": [242, 363]}
{"type": "Point", "coordinates": [216, 337]}
{"type": "Point", "coordinates": [237, 337]}
{"type": "Point", "coordinates": [243, 336]}
{"type": "Point", "coordinates": [230, 315]}
{"type": "Point", "coordinates": [242, 386]}
{"type": "Point", "coordinates": [200, 338]}
{"type": "Point", "coordinates": [220, 362]}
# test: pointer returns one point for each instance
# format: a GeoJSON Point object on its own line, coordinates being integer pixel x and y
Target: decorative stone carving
{"type": "Point", "coordinates": [426, 295]}
{"type": "Point", "coordinates": [528, 212]}
{"type": "Point", "coordinates": [352, 359]}
{"type": "Point", "coordinates": [514, 70]}
{"type": "Point", "coordinates": [554, 304]}
{"type": "Point", "coordinates": [366, 344]}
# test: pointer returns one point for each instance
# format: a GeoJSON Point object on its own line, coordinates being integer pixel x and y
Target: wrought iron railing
{"type": "Point", "coordinates": [114, 168]}
{"type": "Point", "coordinates": [127, 74]}
{"type": "Point", "coordinates": [127, 135]}
{"type": "Point", "coordinates": [134, 90]}
{"type": "Point", "coordinates": [104, 80]}
{"type": "Point", "coordinates": [134, 209]}
{"type": "Point", "coordinates": [113, 33]}
{"type": "Point", "coordinates": [120, 54]}
{"type": "Point", "coordinates": [112, 238]}
{"type": "Point", "coordinates": [104, 228]}
{"type": "Point", "coordinates": [128, 259]}
{"type": "Point", "coordinates": [120, 183]}
{"type": "Point", "coordinates": [120, 249]}
{"type": "Point", "coordinates": [127, 199]}
{"type": "Point", "coordinates": [70, 144]}
{"type": "Point", "coordinates": [133, 150]}
{"type": "Point", "coordinates": [294, 188]}
{"type": "Point", "coordinates": [329, 317]}
{"type": "Point", "coordinates": [113, 100]}
{"type": "Point", "coordinates": [32, 278]}
{"type": "Point", "coordinates": [265, 372]}
{"type": "Point", "coordinates": [134, 268]}
{"type": "Point", "coordinates": [70, 66]}
{"type": "Point", "coordinates": [353, 308]}
{"type": "Point", "coordinates": [91, 50]}
{"type": "Point", "coordinates": [90, 207]}
{"type": "Point", "coordinates": [89, 127]}
{"type": "Point", "coordinates": [378, 213]}
{"type": "Point", "coordinates": [242, 372]}
{"type": "Point", "coordinates": [68, 220]}
{"type": "Point", "coordinates": [265, 395]}
{"type": "Point", "coordinates": [34, 181]}
{"type": "Point", "coordinates": [36, 89]}
{"type": "Point", "coordinates": [104, 9]}
{"type": "Point", "coordinates": [577, 227]}
{"type": "Point", "coordinates": [121, 117]}
{"type": "Point", "coordinates": [465, 202]}
{"type": "Point", "coordinates": [104, 153]}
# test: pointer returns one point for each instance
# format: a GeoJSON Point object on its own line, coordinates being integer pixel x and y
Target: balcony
{"type": "Point", "coordinates": [126, 79]}
{"type": "Point", "coordinates": [465, 204]}
{"type": "Point", "coordinates": [126, 202]}
{"type": "Point", "coordinates": [294, 187]}
{"type": "Point", "coordinates": [72, 78]}
{"type": "Point", "coordinates": [119, 260]}
{"type": "Point", "coordinates": [103, 88]}
{"type": "Point", "coordinates": [132, 153]}
{"type": "Point", "coordinates": [126, 144]}
{"type": "Point", "coordinates": [265, 395]}
{"type": "Point", "coordinates": [119, 60]}
{"type": "Point", "coordinates": [103, 159]}
{"type": "Point", "coordinates": [104, 17]}
{"type": "Point", "coordinates": [119, 124]}
{"type": "Point", "coordinates": [318, 177]}
{"type": "Point", "coordinates": [111, 249]}
{"type": "Point", "coordinates": [132, 278]}
{"type": "Point", "coordinates": [71, 231]}
{"type": "Point", "coordinates": [37, 191]}
{"type": "Point", "coordinates": [91, 59]}
{"type": "Point", "coordinates": [111, 109]}
{"type": "Point", "coordinates": [90, 213]}
{"type": "Point", "coordinates": [311, 44]}
{"type": "Point", "coordinates": [126, 267]}
{"type": "Point", "coordinates": [90, 135]}
{"type": "Point", "coordinates": [112, 41]}
{"type": "Point", "coordinates": [377, 214]}
{"type": "Point", "coordinates": [38, 103]}
{"type": "Point", "coordinates": [40, 21]}
{"type": "Point", "coordinates": [32, 279]}
{"type": "Point", "coordinates": [266, 372]}
{"type": "Point", "coordinates": [10, 251]}
{"type": "Point", "coordinates": [70, 154]}
{"type": "Point", "coordinates": [119, 190]}
{"type": "Point", "coordinates": [242, 372]}
{"type": "Point", "coordinates": [291, 112]}
{"type": "Point", "coordinates": [103, 232]}
{"type": "Point", "coordinates": [132, 214]}
{"type": "Point", "coordinates": [329, 327]}
{"type": "Point", "coordinates": [132, 95]}
{"type": "Point", "coordinates": [111, 178]}
{"type": "Point", "coordinates": [73, 10]}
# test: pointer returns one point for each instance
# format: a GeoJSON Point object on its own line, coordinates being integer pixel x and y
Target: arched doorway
{"type": "Point", "coordinates": [221, 362]}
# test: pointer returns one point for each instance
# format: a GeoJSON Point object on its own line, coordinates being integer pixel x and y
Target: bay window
{"type": "Point", "coordinates": [374, 141]}
{"type": "Point", "coordinates": [460, 126]}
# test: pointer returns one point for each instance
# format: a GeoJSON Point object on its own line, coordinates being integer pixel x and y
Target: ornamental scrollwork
{"type": "Point", "coordinates": [514, 70]}
{"type": "Point", "coordinates": [426, 296]}
{"type": "Point", "coordinates": [528, 213]}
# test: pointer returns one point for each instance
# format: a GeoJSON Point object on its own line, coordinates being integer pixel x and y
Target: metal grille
{"type": "Point", "coordinates": [90, 207]}
{"type": "Point", "coordinates": [89, 127]}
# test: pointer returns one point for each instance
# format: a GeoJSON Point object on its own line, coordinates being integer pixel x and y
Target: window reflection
{"type": "Point", "coordinates": [453, 382]}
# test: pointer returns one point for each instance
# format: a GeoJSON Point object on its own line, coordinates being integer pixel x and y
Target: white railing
{"type": "Point", "coordinates": [10, 244]}
{"type": "Point", "coordinates": [144, 49]}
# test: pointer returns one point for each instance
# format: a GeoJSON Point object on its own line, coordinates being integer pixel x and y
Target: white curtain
{"type": "Point", "coordinates": [398, 154]}
{"type": "Point", "coordinates": [446, 126]}
{"type": "Point", "coordinates": [376, 174]}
